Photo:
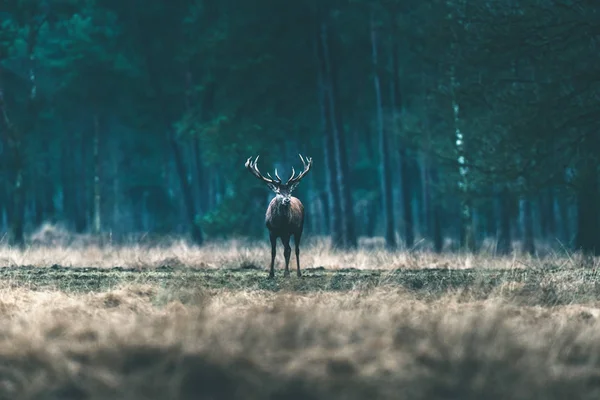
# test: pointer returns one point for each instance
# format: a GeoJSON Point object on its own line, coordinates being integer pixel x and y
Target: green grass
{"type": "Point", "coordinates": [546, 286]}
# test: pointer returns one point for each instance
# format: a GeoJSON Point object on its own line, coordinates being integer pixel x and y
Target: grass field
{"type": "Point", "coordinates": [177, 322]}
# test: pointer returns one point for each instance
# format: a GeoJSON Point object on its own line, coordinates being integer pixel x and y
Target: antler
{"type": "Point", "coordinates": [253, 168]}
{"type": "Point", "coordinates": [307, 163]}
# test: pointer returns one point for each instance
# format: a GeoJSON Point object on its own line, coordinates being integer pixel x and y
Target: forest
{"type": "Point", "coordinates": [439, 125]}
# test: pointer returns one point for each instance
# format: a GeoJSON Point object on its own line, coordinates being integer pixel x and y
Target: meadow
{"type": "Point", "coordinates": [173, 321]}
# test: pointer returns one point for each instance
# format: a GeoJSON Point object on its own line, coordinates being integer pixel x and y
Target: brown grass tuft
{"type": "Point", "coordinates": [142, 342]}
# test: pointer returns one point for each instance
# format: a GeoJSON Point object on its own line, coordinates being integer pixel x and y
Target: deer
{"type": "Point", "coordinates": [284, 217]}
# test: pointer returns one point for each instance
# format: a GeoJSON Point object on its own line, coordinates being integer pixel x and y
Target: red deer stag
{"type": "Point", "coordinates": [285, 214]}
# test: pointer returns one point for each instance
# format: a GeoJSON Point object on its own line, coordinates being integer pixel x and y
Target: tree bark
{"type": "Point", "coordinates": [588, 215]}
{"type": "Point", "coordinates": [199, 182]}
{"type": "Point", "coordinates": [426, 194]}
{"type": "Point", "coordinates": [17, 217]}
{"type": "Point", "coordinates": [565, 228]}
{"type": "Point", "coordinates": [81, 188]}
{"type": "Point", "coordinates": [349, 239]}
{"type": "Point", "coordinates": [504, 245]}
{"type": "Point", "coordinates": [66, 182]}
{"type": "Point", "coordinates": [405, 164]}
{"type": "Point", "coordinates": [335, 211]}
{"type": "Point", "coordinates": [384, 163]}
{"type": "Point", "coordinates": [186, 191]}
{"type": "Point", "coordinates": [206, 109]}
{"type": "Point", "coordinates": [333, 189]}
{"type": "Point", "coordinates": [467, 237]}
{"type": "Point", "coordinates": [548, 214]}
{"type": "Point", "coordinates": [116, 230]}
{"type": "Point", "coordinates": [324, 203]}
{"type": "Point", "coordinates": [97, 225]}
{"type": "Point", "coordinates": [49, 191]}
{"type": "Point", "coordinates": [527, 221]}
{"type": "Point", "coordinates": [15, 143]}
{"type": "Point", "coordinates": [436, 217]}
{"type": "Point", "coordinates": [372, 212]}
{"type": "Point", "coordinates": [213, 190]}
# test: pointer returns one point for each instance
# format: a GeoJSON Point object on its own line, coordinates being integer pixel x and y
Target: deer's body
{"type": "Point", "coordinates": [285, 215]}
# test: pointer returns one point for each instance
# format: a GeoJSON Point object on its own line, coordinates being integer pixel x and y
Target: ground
{"type": "Point", "coordinates": [181, 322]}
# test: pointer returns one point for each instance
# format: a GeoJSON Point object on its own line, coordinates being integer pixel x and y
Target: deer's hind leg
{"type": "Point", "coordinates": [287, 252]}
{"type": "Point", "coordinates": [297, 237]}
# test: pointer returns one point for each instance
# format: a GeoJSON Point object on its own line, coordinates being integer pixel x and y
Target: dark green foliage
{"type": "Point", "coordinates": [185, 92]}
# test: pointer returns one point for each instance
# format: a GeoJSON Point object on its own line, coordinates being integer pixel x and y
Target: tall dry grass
{"type": "Point", "coordinates": [144, 342]}
{"type": "Point", "coordinates": [156, 342]}
{"type": "Point", "coordinates": [52, 245]}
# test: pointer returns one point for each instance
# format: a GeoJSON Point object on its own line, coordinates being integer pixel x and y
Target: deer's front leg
{"type": "Point", "coordinates": [273, 239]}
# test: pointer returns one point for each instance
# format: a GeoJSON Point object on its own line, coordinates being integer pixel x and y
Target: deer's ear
{"type": "Point", "coordinates": [273, 187]}
{"type": "Point", "coordinates": [292, 187]}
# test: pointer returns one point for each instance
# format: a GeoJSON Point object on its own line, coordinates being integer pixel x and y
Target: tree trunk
{"type": "Point", "coordinates": [427, 185]}
{"type": "Point", "coordinates": [426, 195]}
{"type": "Point", "coordinates": [436, 217]}
{"type": "Point", "coordinates": [504, 245]}
{"type": "Point", "coordinates": [371, 223]}
{"type": "Point", "coordinates": [117, 230]}
{"type": "Point", "coordinates": [467, 238]}
{"type": "Point", "coordinates": [14, 139]}
{"type": "Point", "coordinates": [40, 187]}
{"type": "Point", "coordinates": [355, 155]}
{"type": "Point", "coordinates": [588, 215]}
{"type": "Point", "coordinates": [210, 189]}
{"type": "Point", "coordinates": [48, 191]}
{"type": "Point", "coordinates": [97, 225]}
{"type": "Point", "coordinates": [66, 181]}
{"type": "Point", "coordinates": [199, 172]}
{"type": "Point", "coordinates": [6, 210]}
{"type": "Point", "coordinates": [333, 190]}
{"type": "Point", "coordinates": [324, 202]}
{"type": "Point", "coordinates": [199, 182]}
{"type": "Point", "coordinates": [38, 201]}
{"type": "Point", "coordinates": [17, 217]}
{"type": "Point", "coordinates": [563, 211]}
{"type": "Point", "coordinates": [405, 164]}
{"type": "Point", "coordinates": [17, 234]}
{"type": "Point", "coordinates": [368, 143]}
{"type": "Point", "coordinates": [81, 188]}
{"type": "Point", "coordinates": [186, 191]}
{"type": "Point", "coordinates": [335, 211]}
{"type": "Point", "coordinates": [349, 239]}
{"type": "Point", "coordinates": [384, 165]}
{"type": "Point", "coordinates": [527, 221]}
{"type": "Point", "coordinates": [548, 214]}
{"type": "Point", "coordinates": [407, 206]}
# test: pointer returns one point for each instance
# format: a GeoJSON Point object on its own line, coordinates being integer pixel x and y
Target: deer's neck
{"type": "Point", "coordinates": [277, 210]}
{"type": "Point", "coordinates": [281, 209]}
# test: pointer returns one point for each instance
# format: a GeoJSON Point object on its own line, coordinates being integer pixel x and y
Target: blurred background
{"type": "Point", "coordinates": [441, 124]}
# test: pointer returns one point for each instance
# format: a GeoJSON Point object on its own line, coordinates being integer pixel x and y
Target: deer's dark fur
{"type": "Point", "coordinates": [285, 215]}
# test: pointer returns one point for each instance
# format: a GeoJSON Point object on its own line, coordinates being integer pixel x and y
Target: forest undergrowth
{"type": "Point", "coordinates": [82, 321]}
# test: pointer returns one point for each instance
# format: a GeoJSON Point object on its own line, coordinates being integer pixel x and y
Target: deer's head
{"type": "Point", "coordinates": [282, 190]}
